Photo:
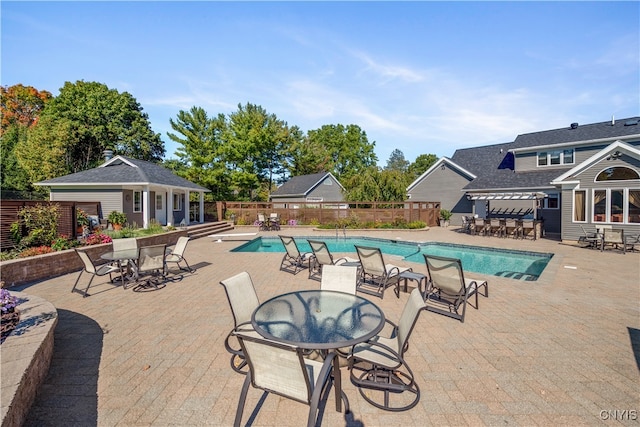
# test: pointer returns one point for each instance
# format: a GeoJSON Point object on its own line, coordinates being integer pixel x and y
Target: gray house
{"type": "Point", "coordinates": [308, 189]}
{"type": "Point", "coordinates": [581, 175]}
{"type": "Point", "coordinates": [141, 189]}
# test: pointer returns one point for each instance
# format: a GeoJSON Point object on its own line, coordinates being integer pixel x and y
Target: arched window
{"type": "Point", "coordinates": [617, 173]}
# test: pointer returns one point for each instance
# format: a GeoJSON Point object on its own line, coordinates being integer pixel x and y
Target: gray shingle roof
{"type": "Point", "coordinates": [494, 168]}
{"type": "Point", "coordinates": [118, 171]}
{"type": "Point", "coordinates": [299, 185]}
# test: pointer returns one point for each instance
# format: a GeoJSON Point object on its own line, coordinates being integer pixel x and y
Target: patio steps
{"type": "Point", "coordinates": [203, 230]}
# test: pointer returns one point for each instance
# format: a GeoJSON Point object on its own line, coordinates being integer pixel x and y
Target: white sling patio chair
{"type": "Point", "coordinates": [378, 369]}
{"type": "Point", "coordinates": [177, 254]}
{"type": "Point", "coordinates": [282, 369]}
{"type": "Point", "coordinates": [448, 290]}
{"type": "Point", "coordinates": [243, 301]}
{"type": "Point", "coordinates": [375, 274]}
{"type": "Point", "coordinates": [151, 268]}
{"type": "Point", "coordinates": [338, 278]}
{"type": "Point", "coordinates": [93, 270]}
{"type": "Point", "coordinates": [321, 257]}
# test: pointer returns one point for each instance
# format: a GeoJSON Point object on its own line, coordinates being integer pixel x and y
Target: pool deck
{"type": "Point", "coordinates": [563, 350]}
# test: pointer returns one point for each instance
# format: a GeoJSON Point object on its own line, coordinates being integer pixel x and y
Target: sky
{"type": "Point", "coordinates": [422, 77]}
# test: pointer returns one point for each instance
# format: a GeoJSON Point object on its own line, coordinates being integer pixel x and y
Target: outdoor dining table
{"type": "Point", "coordinates": [319, 320]}
{"type": "Point", "coordinates": [121, 256]}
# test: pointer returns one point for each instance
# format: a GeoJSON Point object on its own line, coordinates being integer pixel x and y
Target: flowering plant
{"type": "Point", "coordinates": [97, 238]}
{"type": "Point", "coordinates": [8, 302]}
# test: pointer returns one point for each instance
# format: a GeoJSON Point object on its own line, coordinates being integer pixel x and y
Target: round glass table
{"type": "Point", "coordinates": [319, 320]}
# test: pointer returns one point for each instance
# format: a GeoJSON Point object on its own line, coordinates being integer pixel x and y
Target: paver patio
{"type": "Point", "coordinates": [564, 350]}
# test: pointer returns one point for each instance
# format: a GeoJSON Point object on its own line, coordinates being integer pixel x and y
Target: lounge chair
{"type": "Point", "coordinates": [448, 290]}
{"type": "Point", "coordinates": [321, 257]}
{"type": "Point", "coordinates": [293, 260]}
{"type": "Point", "coordinates": [91, 268]}
{"type": "Point", "coordinates": [243, 301]}
{"type": "Point", "coordinates": [376, 275]}
{"type": "Point", "coordinates": [590, 239]}
{"type": "Point", "coordinates": [283, 370]}
{"type": "Point", "coordinates": [377, 367]}
{"type": "Point", "coordinates": [177, 254]}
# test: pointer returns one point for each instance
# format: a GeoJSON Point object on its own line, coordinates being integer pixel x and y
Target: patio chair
{"type": "Point", "coordinates": [93, 270]}
{"type": "Point", "coordinates": [590, 239]}
{"type": "Point", "coordinates": [512, 228]}
{"type": "Point", "coordinates": [282, 369]}
{"type": "Point", "coordinates": [448, 290]}
{"type": "Point", "coordinates": [293, 260]}
{"type": "Point", "coordinates": [322, 256]}
{"type": "Point", "coordinates": [124, 245]}
{"type": "Point", "coordinates": [151, 263]}
{"type": "Point", "coordinates": [243, 301]}
{"type": "Point", "coordinates": [177, 254]}
{"type": "Point", "coordinates": [496, 227]}
{"type": "Point", "coordinates": [614, 237]}
{"type": "Point", "coordinates": [377, 367]}
{"type": "Point", "coordinates": [338, 278]}
{"type": "Point", "coordinates": [465, 227]}
{"type": "Point", "coordinates": [479, 226]}
{"type": "Point", "coordinates": [274, 221]}
{"type": "Point", "coordinates": [263, 223]}
{"type": "Point", "coordinates": [375, 274]}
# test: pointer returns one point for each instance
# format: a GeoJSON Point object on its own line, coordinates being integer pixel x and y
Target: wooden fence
{"type": "Point", "coordinates": [66, 223]}
{"type": "Point", "coordinates": [328, 212]}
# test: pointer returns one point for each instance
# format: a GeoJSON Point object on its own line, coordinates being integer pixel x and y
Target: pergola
{"type": "Point", "coordinates": [525, 195]}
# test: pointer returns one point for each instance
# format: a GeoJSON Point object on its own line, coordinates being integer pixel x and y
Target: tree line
{"type": "Point", "coordinates": [243, 155]}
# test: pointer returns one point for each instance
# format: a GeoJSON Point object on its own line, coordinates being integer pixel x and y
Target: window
{"type": "Point", "coordinates": [552, 201]}
{"type": "Point", "coordinates": [137, 201]}
{"type": "Point", "coordinates": [580, 206]}
{"type": "Point", "coordinates": [177, 202]}
{"type": "Point", "coordinates": [617, 173]}
{"type": "Point", "coordinates": [556, 157]}
{"type": "Point", "coordinates": [617, 205]}
{"type": "Point", "coordinates": [328, 181]}
{"type": "Point", "coordinates": [159, 202]}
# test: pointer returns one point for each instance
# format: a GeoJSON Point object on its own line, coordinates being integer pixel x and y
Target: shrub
{"type": "Point", "coordinates": [36, 250]}
{"type": "Point", "coordinates": [41, 223]}
{"type": "Point", "coordinates": [118, 218]}
{"type": "Point", "coordinates": [97, 238]}
{"type": "Point", "coordinates": [61, 243]}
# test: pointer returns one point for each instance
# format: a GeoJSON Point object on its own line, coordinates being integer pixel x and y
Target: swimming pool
{"type": "Point", "coordinates": [519, 265]}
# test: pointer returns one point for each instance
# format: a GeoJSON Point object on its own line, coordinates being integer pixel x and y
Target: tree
{"type": "Point", "coordinates": [397, 162]}
{"type": "Point", "coordinates": [342, 150]}
{"type": "Point", "coordinates": [254, 150]}
{"type": "Point", "coordinates": [20, 108]}
{"type": "Point", "coordinates": [377, 185]}
{"type": "Point", "coordinates": [420, 166]}
{"type": "Point", "coordinates": [200, 153]}
{"type": "Point", "coordinates": [85, 119]}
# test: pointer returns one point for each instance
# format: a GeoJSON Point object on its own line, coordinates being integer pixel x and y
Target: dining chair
{"type": "Point", "coordinates": [93, 270]}
{"type": "Point", "coordinates": [528, 229]}
{"type": "Point", "coordinates": [124, 245]}
{"type": "Point", "coordinates": [338, 278]}
{"type": "Point", "coordinates": [177, 254]}
{"type": "Point", "coordinates": [283, 370]}
{"type": "Point", "coordinates": [151, 263]}
{"type": "Point", "coordinates": [243, 300]}
{"type": "Point", "coordinates": [377, 367]}
{"type": "Point", "coordinates": [511, 228]}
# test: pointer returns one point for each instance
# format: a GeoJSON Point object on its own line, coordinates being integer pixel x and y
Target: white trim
{"type": "Point", "coordinates": [575, 143]}
{"type": "Point", "coordinates": [113, 159]}
{"type": "Point", "coordinates": [618, 145]}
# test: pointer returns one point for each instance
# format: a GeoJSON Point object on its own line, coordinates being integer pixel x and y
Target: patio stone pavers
{"type": "Point", "coordinates": [552, 352]}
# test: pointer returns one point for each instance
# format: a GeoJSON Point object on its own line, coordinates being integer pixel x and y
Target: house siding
{"type": "Point", "coordinates": [110, 199]}
{"type": "Point", "coordinates": [529, 161]}
{"type": "Point", "coordinates": [446, 186]}
{"type": "Point", "coordinates": [571, 230]}
{"type": "Point", "coordinates": [328, 193]}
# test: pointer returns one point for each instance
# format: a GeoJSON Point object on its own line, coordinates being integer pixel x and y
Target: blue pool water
{"type": "Point", "coordinates": [520, 265]}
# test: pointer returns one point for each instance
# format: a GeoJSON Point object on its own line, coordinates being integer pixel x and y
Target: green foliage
{"type": "Point", "coordinates": [397, 162]}
{"type": "Point", "coordinates": [116, 217]}
{"type": "Point", "coordinates": [154, 227]}
{"type": "Point", "coordinates": [377, 186]}
{"type": "Point", "coordinates": [35, 250]}
{"type": "Point", "coordinates": [61, 243]}
{"type": "Point", "coordinates": [445, 214]}
{"type": "Point", "coordinates": [82, 218]}
{"type": "Point", "coordinates": [420, 166]}
{"type": "Point", "coordinates": [353, 222]}
{"type": "Point", "coordinates": [41, 223]}
{"type": "Point", "coordinates": [15, 229]}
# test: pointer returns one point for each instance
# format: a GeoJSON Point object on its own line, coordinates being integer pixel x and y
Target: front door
{"type": "Point", "coordinates": [161, 212]}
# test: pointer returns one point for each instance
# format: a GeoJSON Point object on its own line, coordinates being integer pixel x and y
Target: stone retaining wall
{"type": "Point", "coordinates": [24, 270]}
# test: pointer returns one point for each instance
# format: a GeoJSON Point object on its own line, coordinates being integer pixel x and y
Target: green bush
{"type": "Point", "coordinates": [41, 223]}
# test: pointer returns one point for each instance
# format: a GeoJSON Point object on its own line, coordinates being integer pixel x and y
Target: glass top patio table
{"type": "Point", "coordinates": [125, 254]}
{"type": "Point", "coordinates": [319, 320]}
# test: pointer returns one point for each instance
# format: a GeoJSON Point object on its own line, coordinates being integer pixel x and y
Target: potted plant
{"type": "Point", "coordinates": [445, 216]}
{"type": "Point", "coordinates": [117, 219]}
{"type": "Point", "coordinates": [82, 220]}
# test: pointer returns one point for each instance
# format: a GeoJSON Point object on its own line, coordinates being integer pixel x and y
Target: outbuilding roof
{"type": "Point", "coordinates": [300, 186]}
{"type": "Point", "coordinates": [122, 170]}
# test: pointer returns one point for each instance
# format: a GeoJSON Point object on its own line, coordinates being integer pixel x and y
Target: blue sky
{"type": "Point", "coordinates": [423, 77]}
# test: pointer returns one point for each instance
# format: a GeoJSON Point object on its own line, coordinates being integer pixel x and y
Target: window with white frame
{"type": "Point", "coordinates": [556, 157]}
{"type": "Point", "coordinates": [580, 205]}
{"type": "Point", "coordinates": [177, 202]}
{"type": "Point", "coordinates": [616, 205]}
{"type": "Point", "coordinates": [137, 201]}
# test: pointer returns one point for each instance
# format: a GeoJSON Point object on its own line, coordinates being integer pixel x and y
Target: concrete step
{"type": "Point", "coordinates": [203, 230]}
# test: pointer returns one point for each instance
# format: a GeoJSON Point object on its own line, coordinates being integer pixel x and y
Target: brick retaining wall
{"type": "Point", "coordinates": [24, 270]}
